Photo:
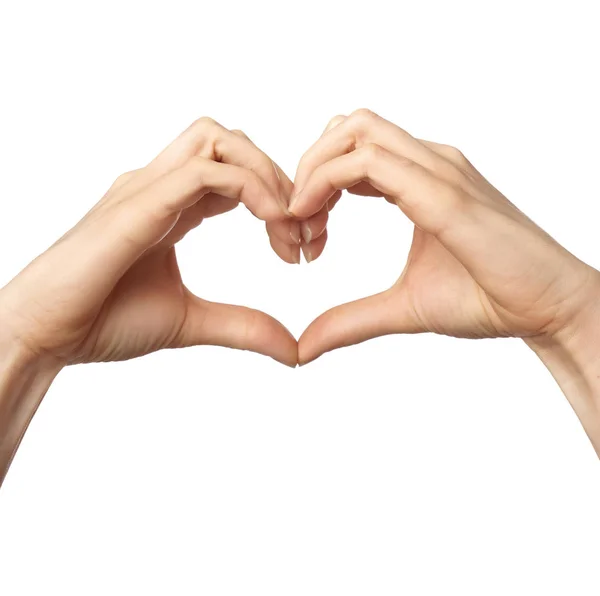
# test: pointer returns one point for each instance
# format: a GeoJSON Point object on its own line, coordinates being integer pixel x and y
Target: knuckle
{"type": "Point", "coordinates": [455, 154]}
{"type": "Point", "coordinates": [361, 122]}
{"type": "Point", "coordinates": [205, 126]}
{"type": "Point", "coordinates": [363, 119]}
{"type": "Point", "coordinates": [196, 167]}
{"type": "Point", "coordinates": [122, 179]}
{"type": "Point", "coordinates": [448, 210]}
{"type": "Point", "coordinates": [239, 133]}
{"type": "Point", "coordinates": [250, 329]}
{"type": "Point", "coordinates": [196, 163]}
{"type": "Point", "coordinates": [455, 205]}
{"type": "Point", "coordinates": [335, 121]}
{"type": "Point", "coordinates": [363, 114]}
{"type": "Point", "coordinates": [251, 181]}
{"type": "Point", "coordinates": [371, 152]}
{"type": "Point", "coordinates": [204, 122]}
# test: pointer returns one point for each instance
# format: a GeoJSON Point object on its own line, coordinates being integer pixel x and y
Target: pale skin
{"type": "Point", "coordinates": [110, 289]}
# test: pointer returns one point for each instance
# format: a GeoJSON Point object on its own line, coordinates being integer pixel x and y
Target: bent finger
{"type": "Point", "coordinates": [208, 139]}
{"type": "Point", "coordinates": [211, 205]}
{"type": "Point", "coordinates": [146, 218]}
{"type": "Point", "coordinates": [285, 230]}
{"type": "Point", "coordinates": [290, 253]}
{"type": "Point", "coordinates": [361, 128]}
{"type": "Point", "coordinates": [284, 183]}
{"type": "Point", "coordinates": [426, 200]}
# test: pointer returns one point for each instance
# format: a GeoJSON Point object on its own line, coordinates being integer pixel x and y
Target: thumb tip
{"type": "Point", "coordinates": [305, 356]}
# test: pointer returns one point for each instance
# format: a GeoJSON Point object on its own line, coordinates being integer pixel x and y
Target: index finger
{"type": "Point", "coordinates": [208, 139]}
{"type": "Point", "coordinates": [364, 128]}
{"type": "Point", "coordinates": [424, 198]}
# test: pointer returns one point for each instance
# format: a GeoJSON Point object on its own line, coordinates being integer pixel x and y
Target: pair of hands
{"type": "Point", "coordinates": [110, 289]}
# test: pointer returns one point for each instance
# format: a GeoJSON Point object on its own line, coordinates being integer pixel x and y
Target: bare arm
{"type": "Point", "coordinates": [110, 288]}
{"type": "Point", "coordinates": [478, 267]}
{"type": "Point", "coordinates": [24, 379]}
{"type": "Point", "coordinates": [573, 359]}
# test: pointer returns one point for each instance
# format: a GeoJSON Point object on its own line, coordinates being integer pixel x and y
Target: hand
{"type": "Point", "coordinates": [478, 267]}
{"type": "Point", "coordinates": [290, 235]}
{"type": "Point", "coordinates": [110, 289]}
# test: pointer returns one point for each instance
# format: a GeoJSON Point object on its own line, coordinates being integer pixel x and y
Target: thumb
{"type": "Point", "coordinates": [354, 322]}
{"type": "Point", "coordinates": [215, 324]}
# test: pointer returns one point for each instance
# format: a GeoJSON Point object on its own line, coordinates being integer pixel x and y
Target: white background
{"type": "Point", "coordinates": [413, 465]}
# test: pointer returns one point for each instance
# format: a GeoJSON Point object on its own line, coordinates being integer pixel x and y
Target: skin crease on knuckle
{"type": "Point", "coordinates": [453, 206]}
{"type": "Point", "coordinates": [371, 153]}
{"type": "Point", "coordinates": [456, 155]}
{"type": "Point", "coordinates": [255, 159]}
{"type": "Point", "coordinates": [203, 125]}
{"type": "Point", "coordinates": [122, 180]}
{"type": "Point", "coordinates": [363, 118]}
{"type": "Point", "coordinates": [360, 124]}
{"type": "Point", "coordinates": [207, 133]}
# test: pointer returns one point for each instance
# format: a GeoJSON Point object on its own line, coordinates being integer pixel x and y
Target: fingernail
{"type": "Point", "coordinates": [276, 171]}
{"type": "Point", "coordinates": [283, 200]}
{"type": "Point", "coordinates": [294, 201]}
{"type": "Point", "coordinates": [296, 255]}
{"type": "Point", "coordinates": [306, 232]}
{"type": "Point", "coordinates": [307, 253]}
{"type": "Point", "coordinates": [285, 206]}
{"type": "Point", "coordinates": [295, 232]}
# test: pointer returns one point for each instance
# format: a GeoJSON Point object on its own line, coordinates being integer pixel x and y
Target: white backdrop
{"type": "Point", "coordinates": [415, 465]}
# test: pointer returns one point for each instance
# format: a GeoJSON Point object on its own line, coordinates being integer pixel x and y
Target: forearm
{"type": "Point", "coordinates": [24, 380]}
{"type": "Point", "coordinates": [573, 359]}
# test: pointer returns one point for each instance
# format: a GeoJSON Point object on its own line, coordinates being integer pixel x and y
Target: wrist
{"type": "Point", "coordinates": [24, 380]}
{"type": "Point", "coordinates": [572, 355]}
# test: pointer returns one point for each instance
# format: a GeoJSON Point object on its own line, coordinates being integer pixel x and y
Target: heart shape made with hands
{"type": "Point", "coordinates": [121, 294]}
{"type": "Point", "coordinates": [356, 154]}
